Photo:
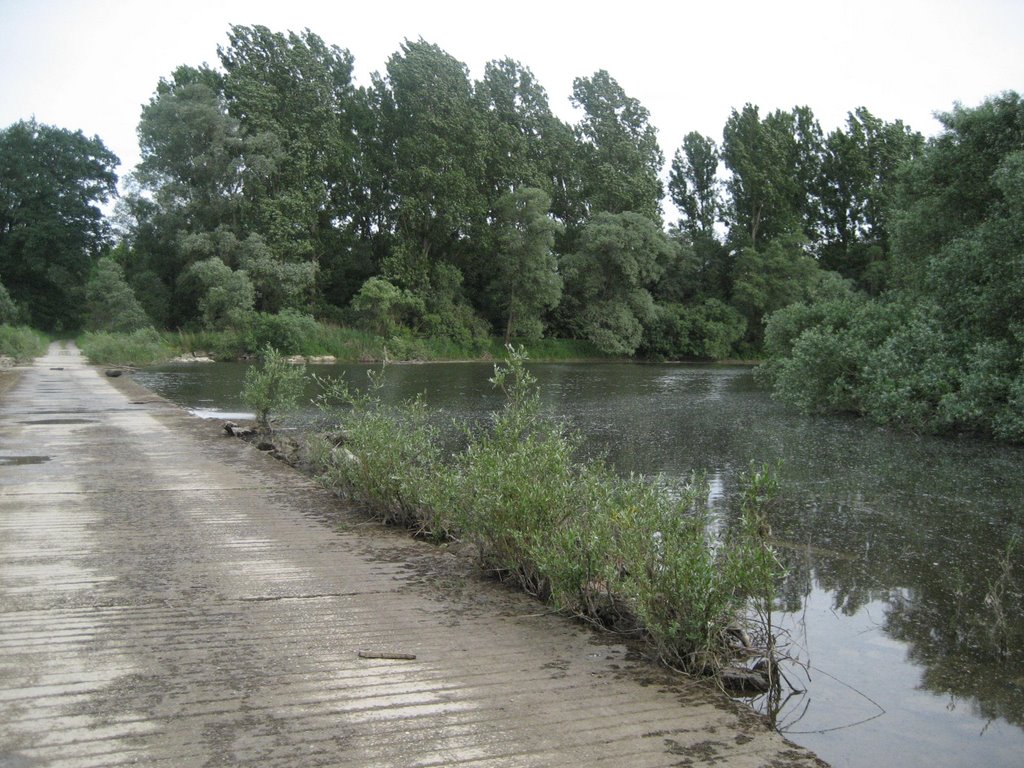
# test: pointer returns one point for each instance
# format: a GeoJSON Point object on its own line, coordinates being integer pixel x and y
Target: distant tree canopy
{"type": "Point", "coordinates": [52, 182]}
{"type": "Point", "coordinates": [877, 272]}
{"type": "Point", "coordinates": [331, 197]}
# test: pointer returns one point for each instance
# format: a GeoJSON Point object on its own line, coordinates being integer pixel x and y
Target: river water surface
{"type": "Point", "coordinates": [903, 598]}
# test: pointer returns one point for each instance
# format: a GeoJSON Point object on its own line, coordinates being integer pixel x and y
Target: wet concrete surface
{"type": "Point", "coordinates": [171, 596]}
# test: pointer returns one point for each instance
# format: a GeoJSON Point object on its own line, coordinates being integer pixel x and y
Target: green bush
{"type": "Point", "coordinates": [910, 374]}
{"type": "Point", "coordinates": [290, 332]}
{"type": "Point", "coordinates": [818, 355]}
{"type": "Point", "coordinates": [459, 324]}
{"type": "Point", "coordinates": [579, 558]}
{"type": "Point", "coordinates": [21, 343]}
{"type": "Point", "coordinates": [989, 393]}
{"type": "Point", "coordinates": [223, 297]}
{"type": "Point", "coordinates": [895, 363]}
{"type": "Point", "coordinates": [516, 482]}
{"type": "Point", "coordinates": [273, 387]}
{"type": "Point", "coordinates": [278, 283]}
{"type": "Point", "coordinates": [110, 302]}
{"type": "Point", "coordinates": [385, 457]}
{"type": "Point", "coordinates": [822, 371]}
{"type": "Point", "coordinates": [385, 309]}
{"type": "Point", "coordinates": [1009, 421]}
{"type": "Point", "coordinates": [9, 311]}
{"type": "Point", "coordinates": [674, 577]}
{"type": "Point", "coordinates": [621, 552]}
{"type": "Point", "coordinates": [705, 331]}
{"type": "Point", "coordinates": [141, 347]}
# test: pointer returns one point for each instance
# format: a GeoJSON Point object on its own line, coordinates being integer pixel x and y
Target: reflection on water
{"type": "Point", "coordinates": [903, 597]}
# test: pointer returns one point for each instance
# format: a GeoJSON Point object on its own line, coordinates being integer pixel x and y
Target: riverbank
{"type": "Point", "coordinates": [190, 600]}
{"type": "Point", "coordinates": [323, 344]}
{"type": "Point", "coordinates": [318, 342]}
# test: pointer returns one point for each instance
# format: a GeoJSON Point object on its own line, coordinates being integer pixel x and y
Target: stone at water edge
{"type": "Point", "coordinates": [238, 431]}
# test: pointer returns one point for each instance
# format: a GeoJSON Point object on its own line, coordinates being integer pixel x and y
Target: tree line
{"type": "Point", "coordinates": [429, 201]}
{"type": "Point", "coordinates": [272, 188]}
{"type": "Point", "coordinates": [942, 349]}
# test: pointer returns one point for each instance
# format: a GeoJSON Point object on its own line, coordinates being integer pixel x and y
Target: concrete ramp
{"type": "Point", "coordinates": [172, 597]}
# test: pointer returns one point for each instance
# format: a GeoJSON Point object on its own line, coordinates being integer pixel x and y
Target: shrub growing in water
{"type": "Point", "coordinates": [706, 331]}
{"type": "Point", "coordinates": [622, 552]}
{"type": "Point", "coordinates": [386, 457]}
{"type": "Point", "coordinates": [274, 386]}
{"type": "Point", "coordinates": [516, 482]}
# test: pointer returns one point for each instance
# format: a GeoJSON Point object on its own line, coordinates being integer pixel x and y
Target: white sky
{"type": "Point", "coordinates": [91, 64]}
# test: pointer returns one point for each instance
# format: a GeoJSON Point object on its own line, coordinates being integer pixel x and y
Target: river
{"type": "Point", "coordinates": [902, 604]}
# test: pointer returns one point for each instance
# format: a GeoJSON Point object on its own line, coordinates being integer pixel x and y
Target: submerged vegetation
{"type": "Point", "coordinates": [626, 553]}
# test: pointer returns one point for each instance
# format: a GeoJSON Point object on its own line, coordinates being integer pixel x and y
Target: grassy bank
{"type": "Point", "coordinates": [143, 347]}
{"type": "Point", "coordinates": [305, 337]}
{"type": "Point", "coordinates": [351, 345]}
{"type": "Point", "coordinates": [628, 554]}
{"type": "Point", "coordinates": [21, 344]}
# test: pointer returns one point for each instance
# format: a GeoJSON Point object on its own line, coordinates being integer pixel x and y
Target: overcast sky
{"type": "Point", "coordinates": [91, 64]}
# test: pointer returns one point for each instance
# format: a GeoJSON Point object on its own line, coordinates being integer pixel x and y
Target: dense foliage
{"type": "Point", "coordinates": [276, 199]}
{"type": "Point", "coordinates": [20, 343]}
{"type": "Point", "coordinates": [943, 348]}
{"type": "Point", "coordinates": [52, 182]}
{"type": "Point", "coordinates": [430, 204]}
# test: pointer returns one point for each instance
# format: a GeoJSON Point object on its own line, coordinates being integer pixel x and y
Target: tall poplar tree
{"type": "Point", "coordinates": [293, 94]}
{"type": "Point", "coordinates": [52, 183]}
{"type": "Point", "coordinates": [526, 281]}
{"type": "Point", "coordinates": [438, 154]}
{"type": "Point", "coordinates": [764, 190]}
{"type": "Point", "coordinates": [620, 161]}
{"type": "Point", "coordinates": [693, 185]}
{"type": "Point", "coordinates": [856, 191]}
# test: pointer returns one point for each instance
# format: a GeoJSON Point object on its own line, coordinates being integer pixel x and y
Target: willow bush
{"type": "Point", "coordinates": [273, 387]}
{"type": "Point", "coordinates": [515, 483]}
{"type": "Point", "coordinates": [384, 456]}
{"type": "Point", "coordinates": [626, 553]}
